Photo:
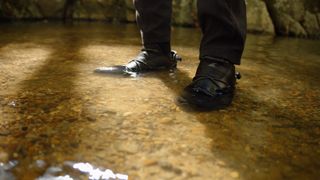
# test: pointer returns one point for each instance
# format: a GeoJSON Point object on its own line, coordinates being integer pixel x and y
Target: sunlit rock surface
{"type": "Point", "coordinates": [54, 110]}
{"type": "Point", "coordinates": [295, 17]}
{"type": "Point", "coordinates": [284, 17]}
{"type": "Point", "coordinates": [258, 18]}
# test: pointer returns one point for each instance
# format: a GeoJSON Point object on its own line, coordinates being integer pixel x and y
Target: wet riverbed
{"type": "Point", "coordinates": [59, 119]}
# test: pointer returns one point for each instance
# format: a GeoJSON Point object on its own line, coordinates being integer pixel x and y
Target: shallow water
{"type": "Point", "coordinates": [55, 111]}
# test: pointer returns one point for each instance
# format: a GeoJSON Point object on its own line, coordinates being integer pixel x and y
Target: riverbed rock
{"type": "Point", "coordinates": [18, 9]}
{"type": "Point", "coordinates": [4, 157]}
{"type": "Point", "coordinates": [184, 12]}
{"type": "Point", "coordinates": [130, 147]}
{"type": "Point", "coordinates": [295, 17]}
{"type": "Point", "coordinates": [49, 9]}
{"type": "Point", "coordinates": [258, 18]}
{"type": "Point", "coordinates": [284, 17]}
{"type": "Point", "coordinates": [311, 24]}
{"type": "Point", "coordinates": [130, 11]}
{"type": "Point", "coordinates": [90, 9]}
{"type": "Point", "coordinates": [108, 10]}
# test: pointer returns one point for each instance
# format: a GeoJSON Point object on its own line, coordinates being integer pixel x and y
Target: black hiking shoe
{"type": "Point", "coordinates": [152, 59]}
{"type": "Point", "coordinates": [147, 60]}
{"type": "Point", "coordinates": [213, 86]}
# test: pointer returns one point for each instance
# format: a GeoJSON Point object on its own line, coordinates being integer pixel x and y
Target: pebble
{"type": "Point", "coordinates": [247, 148]}
{"type": "Point", "coordinates": [4, 157]}
{"type": "Point", "coordinates": [177, 109]}
{"type": "Point", "coordinates": [165, 120]}
{"type": "Point", "coordinates": [127, 147]}
{"type": "Point", "coordinates": [150, 162]}
{"type": "Point", "coordinates": [143, 131]}
{"type": "Point", "coordinates": [127, 114]}
{"type": "Point", "coordinates": [40, 163]}
{"type": "Point", "coordinates": [4, 133]}
{"type": "Point", "coordinates": [170, 168]}
{"type": "Point", "coordinates": [234, 174]}
{"type": "Point", "coordinates": [15, 155]}
{"type": "Point", "coordinates": [221, 163]}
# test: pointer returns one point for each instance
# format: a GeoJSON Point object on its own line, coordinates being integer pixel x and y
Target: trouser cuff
{"type": "Point", "coordinates": [231, 55]}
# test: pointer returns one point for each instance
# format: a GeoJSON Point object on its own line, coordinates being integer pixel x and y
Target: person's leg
{"type": "Point", "coordinates": [154, 21]}
{"type": "Point", "coordinates": [223, 24]}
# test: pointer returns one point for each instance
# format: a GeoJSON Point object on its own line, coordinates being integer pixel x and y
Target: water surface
{"type": "Point", "coordinates": [55, 113]}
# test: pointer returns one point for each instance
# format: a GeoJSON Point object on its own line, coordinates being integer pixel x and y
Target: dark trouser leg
{"type": "Point", "coordinates": [154, 19]}
{"type": "Point", "coordinates": [223, 24]}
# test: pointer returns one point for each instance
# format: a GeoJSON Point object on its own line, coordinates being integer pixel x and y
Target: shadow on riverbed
{"type": "Point", "coordinates": [48, 110]}
{"type": "Point", "coordinates": [257, 138]}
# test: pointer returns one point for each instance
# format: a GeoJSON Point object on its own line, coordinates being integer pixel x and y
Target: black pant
{"type": "Point", "coordinates": [223, 24]}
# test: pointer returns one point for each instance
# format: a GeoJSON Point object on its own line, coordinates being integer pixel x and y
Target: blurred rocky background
{"type": "Point", "coordinates": [299, 18]}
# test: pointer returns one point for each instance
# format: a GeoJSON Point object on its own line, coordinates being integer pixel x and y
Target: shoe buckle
{"type": "Point", "coordinates": [175, 56]}
{"type": "Point", "coordinates": [238, 75]}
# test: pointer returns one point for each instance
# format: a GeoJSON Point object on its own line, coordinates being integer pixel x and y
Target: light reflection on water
{"type": "Point", "coordinates": [69, 171]}
{"type": "Point", "coordinates": [91, 172]}
{"type": "Point", "coordinates": [5, 170]}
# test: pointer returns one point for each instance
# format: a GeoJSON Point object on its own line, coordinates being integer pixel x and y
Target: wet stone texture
{"type": "Point", "coordinates": [54, 110]}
